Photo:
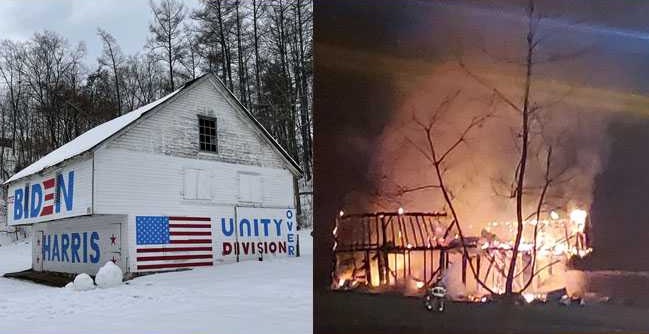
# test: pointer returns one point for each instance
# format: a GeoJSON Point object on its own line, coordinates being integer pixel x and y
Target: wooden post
{"type": "Point", "coordinates": [368, 268]}
{"type": "Point", "coordinates": [383, 264]}
{"type": "Point", "coordinates": [297, 245]}
{"type": "Point", "coordinates": [464, 268]}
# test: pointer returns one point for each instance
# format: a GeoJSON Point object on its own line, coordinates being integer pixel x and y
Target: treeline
{"type": "Point", "coordinates": [261, 50]}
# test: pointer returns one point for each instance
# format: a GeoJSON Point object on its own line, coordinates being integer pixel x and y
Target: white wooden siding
{"type": "Point", "coordinates": [128, 181]}
{"type": "Point", "coordinates": [173, 130]}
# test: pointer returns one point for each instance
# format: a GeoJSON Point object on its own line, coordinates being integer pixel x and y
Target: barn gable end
{"type": "Point", "coordinates": [173, 129]}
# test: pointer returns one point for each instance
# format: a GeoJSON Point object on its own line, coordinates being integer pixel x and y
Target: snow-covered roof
{"type": "Point", "coordinates": [88, 139]}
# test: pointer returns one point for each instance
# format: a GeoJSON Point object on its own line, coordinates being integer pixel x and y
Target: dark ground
{"type": "Point", "coordinates": [349, 312]}
{"type": "Point", "coordinates": [57, 280]}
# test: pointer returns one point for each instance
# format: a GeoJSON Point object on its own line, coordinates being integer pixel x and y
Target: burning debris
{"type": "Point", "coordinates": [410, 251]}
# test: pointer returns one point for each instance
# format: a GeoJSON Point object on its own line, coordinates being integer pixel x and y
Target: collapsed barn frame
{"type": "Point", "coordinates": [396, 249]}
{"type": "Point", "coordinates": [387, 243]}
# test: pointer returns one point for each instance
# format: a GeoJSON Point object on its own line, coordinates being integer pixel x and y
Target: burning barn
{"type": "Point", "coordinates": [189, 180]}
{"type": "Point", "coordinates": [408, 251]}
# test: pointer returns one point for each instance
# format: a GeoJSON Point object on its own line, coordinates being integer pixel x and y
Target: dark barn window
{"type": "Point", "coordinates": [207, 134]}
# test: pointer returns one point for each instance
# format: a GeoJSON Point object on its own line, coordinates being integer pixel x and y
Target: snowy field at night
{"type": "Point", "coordinates": [273, 296]}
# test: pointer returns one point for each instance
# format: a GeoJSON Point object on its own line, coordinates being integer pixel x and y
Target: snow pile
{"type": "Point", "coordinates": [69, 285]}
{"type": "Point", "coordinates": [109, 275]}
{"type": "Point", "coordinates": [83, 282]}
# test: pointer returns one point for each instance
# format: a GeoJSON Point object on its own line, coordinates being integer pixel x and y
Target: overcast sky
{"type": "Point", "coordinates": [78, 20]}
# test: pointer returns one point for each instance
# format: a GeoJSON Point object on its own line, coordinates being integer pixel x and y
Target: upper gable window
{"type": "Point", "coordinates": [207, 134]}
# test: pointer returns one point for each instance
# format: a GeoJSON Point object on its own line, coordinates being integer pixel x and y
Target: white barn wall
{"type": "Point", "coordinates": [164, 145]}
{"type": "Point", "coordinates": [173, 130]}
{"type": "Point", "coordinates": [128, 181]}
{"type": "Point", "coordinates": [130, 184]}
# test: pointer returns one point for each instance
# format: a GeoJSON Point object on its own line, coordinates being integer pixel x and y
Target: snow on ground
{"type": "Point", "coordinates": [273, 296]}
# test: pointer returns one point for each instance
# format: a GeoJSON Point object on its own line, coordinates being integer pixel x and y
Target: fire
{"type": "Point", "coordinates": [579, 218]}
{"type": "Point", "coordinates": [555, 235]}
{"type": "Point", "coordinates": [554, 215]}
{"type": "Point", "coordinates": [578, 215]}
{"type": "Point", "coordinates": [402, 250]}
{"type": "Point", "coordinates": [529, 297]}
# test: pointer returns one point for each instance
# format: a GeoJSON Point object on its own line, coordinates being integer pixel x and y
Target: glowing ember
{"type": "Point", "coordinates": [341, 213]}
{"type": "Point", "coordinates": [529, 297]}
{"type": "Point", "coordinates": [578, 215]}
{"type": "Point", "coordinates": [400, 211]}
{"type": "Point", "coordinates": [579, 218]}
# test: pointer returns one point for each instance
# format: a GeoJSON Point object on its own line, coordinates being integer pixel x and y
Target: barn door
{"type": "Point", "coordinates": [37, 251]}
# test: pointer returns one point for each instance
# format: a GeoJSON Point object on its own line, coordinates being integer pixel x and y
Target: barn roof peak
{"type": "Point", "coordinates": [97, 135]}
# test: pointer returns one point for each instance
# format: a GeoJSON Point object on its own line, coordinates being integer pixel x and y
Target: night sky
{"type": "Point", "coordinates": [370, 54]}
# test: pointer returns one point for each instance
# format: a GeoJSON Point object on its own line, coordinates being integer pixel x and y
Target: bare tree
{"type": "Point", "coordinates": [531, 125]}
{"type": "Point", "coordinates": [215, 27]}
{"type": "Point", "coordinates": [438, 157]}
{"type": "Point", "coordinates": [166, 32]}
{"type": "Point", "coordinates": [112, 56]}
{"type": "Point", "coordinates": [302, 20]}
{"type": "Point", "coordinates": [192, 60]}
{"type": "Point", "coordinates": [258, 10]}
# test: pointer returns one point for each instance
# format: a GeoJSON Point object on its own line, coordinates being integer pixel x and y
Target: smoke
{"type": "Point", "coordinates": [455, 288]}
{"type": "Point", "coordinates": [479, 173]}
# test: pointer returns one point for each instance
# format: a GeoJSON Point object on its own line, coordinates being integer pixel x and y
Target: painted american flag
{"type": "Point", "coordinates": [49, 186]}
{"type": "Point", "coordinates": [173, 242]}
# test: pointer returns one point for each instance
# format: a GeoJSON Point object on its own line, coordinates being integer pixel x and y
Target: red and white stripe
{"type": "Point", "coordinates": [190, 245]}
{"type": "Point", "coordinates": [49, 187]}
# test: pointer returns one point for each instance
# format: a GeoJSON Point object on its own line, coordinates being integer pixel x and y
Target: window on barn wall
{"type": "Point", "coordinates": [207, 134]}
{"type": "Point", "coordinates": [250, 189]}
{"type": "Point", "coordinates": [197, 184]}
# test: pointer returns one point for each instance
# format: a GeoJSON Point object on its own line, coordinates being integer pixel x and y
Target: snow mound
{"type": "Point", "coordinates": [109, 275]}
{"type": "Point", "coordinates": [83, 282]}
{"type": "Point", "coordinates": [69, 285]}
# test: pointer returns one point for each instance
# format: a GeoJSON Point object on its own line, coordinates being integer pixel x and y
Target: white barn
{"type": "Point", "coordinates": [189, 180]}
